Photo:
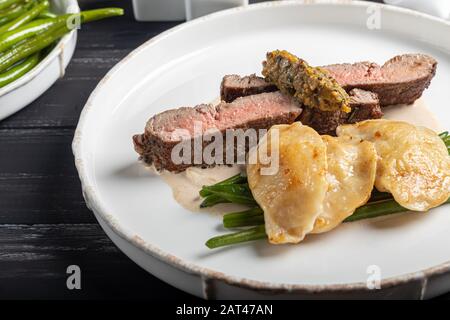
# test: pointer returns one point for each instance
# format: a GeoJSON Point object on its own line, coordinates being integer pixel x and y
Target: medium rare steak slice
{"type": "Point", "coordinates": [364, 106]}
{"type": "Point", "coordinates": [401, 80]}
{"type": "Point", "coordinates": [234, 86]}
{"type": "Point", "coordinates": [163, 131]}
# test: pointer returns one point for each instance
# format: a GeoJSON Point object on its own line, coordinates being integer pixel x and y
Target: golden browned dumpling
{"type": "Point", "coordinates": [291, 196]}
{"type": "Point", "coordinates": [351, 174]}
{"type": "Point", "coordinates": [413, 162]}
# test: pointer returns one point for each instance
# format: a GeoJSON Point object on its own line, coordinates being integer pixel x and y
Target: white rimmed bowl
{"type": "Point", "coordinates": [29, 87]}
{"type": "Point", "coordinates": [184, 66]}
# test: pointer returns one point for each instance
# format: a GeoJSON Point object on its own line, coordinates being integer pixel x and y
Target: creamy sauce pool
{"type": "Point", "coordinates": [418, 114]}
{"type": "Point", "coordinates": [186, 185]}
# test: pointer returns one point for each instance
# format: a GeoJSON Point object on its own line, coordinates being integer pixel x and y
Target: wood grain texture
{"type": "Point", "coordinates": [44, 223]}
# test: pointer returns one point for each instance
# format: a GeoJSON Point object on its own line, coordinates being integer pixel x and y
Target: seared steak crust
{"type": "Point", "coordinates": [364, 106]}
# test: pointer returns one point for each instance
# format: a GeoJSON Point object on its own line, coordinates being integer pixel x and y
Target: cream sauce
{"type": "Point", "coordinates": [186, 185]}
{"type": "Point", "coordinates": [418, 114]}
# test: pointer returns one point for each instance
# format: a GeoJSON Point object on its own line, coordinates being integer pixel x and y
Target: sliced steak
{"type": "Point", "coordinates": [364, 106]}
{"type": "Point", "coordinates": [234, 86]}
{"type": "Point", "coordinates": [162, 132]}
{"type": "Point", "coordinates": [401, 80]}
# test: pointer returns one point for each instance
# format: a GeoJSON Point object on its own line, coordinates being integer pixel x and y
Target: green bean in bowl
{"type": "Point", "coordinates": [28, 29]}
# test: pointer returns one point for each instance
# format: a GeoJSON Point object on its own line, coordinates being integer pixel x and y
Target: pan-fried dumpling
{"type": "Point", "coordinates": [291, 197]}
{"type": "Point", "coordinates": [413, 162]}
{"type": "Point", "coordinates": [351, 174]}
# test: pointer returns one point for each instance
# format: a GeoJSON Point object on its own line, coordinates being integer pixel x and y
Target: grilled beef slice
{"type": "Point", "coordinates": [364, 106]}
{"type": "Point", "coordinates": [234, 86]}
{"type": "Point", "coordinates": [259, 111]}
{"type": "Point", "coordinates": [400, 80]}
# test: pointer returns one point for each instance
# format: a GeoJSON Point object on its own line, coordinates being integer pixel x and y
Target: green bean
{"type": "Point", "coordinates": [98, 14]}
{"type": "Point", "coordinates": [255, 233]}
{"type": "Point", "coordinates": [236, 189]}
{"type": "Point", "coordinates": [12, 13]}
{"type": "Point", "coordinates": [236, 179]}
{"type": "Point", "coordinates": [246, 218]}
{"type": "Point", "coordinates": [19, 70]}
{"type": "Point", "coordinates": [446, 140]}
{"type": "Point", "coordinates": [373, 210]}
{"type": "Point", "coordinates": [6, 11]}
{"type": "Point", "coordinates": [212, 200]}
{"type": "Point", "coordinates": [47, 14]}
{"type": "Point", "coordinates": [234, 193]}
{"type": "Point", "coordinates": [8, 39]}
{"type": "Point", "coordinates": [378, 209]}
{"type": "Point", "coordinates": [3, 21]}
{"type": "Point", "coordinates": [7, 3]}
{"type": "Point", "coordinates": [377, 196]}
{"type": "Point", "coordinates": [33, 45]}
{"type": "Point", "coordinates": [24, 18]}
{"type": "Point", "coordinates": [48, 36]}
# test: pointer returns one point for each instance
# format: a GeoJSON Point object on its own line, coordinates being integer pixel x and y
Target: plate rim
{"type": "Point", "coordinates": [93, 203]}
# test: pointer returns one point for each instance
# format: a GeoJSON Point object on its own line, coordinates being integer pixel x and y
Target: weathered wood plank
{"type": "Point", "coordinates": [38, 180]}
{"type": "Point", "coordinates": [34, 260]}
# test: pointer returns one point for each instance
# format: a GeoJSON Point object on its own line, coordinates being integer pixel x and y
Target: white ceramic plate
{"type": "Point", "coordinates": [184, 66]}
{"type": "Point", "coordinates": [25, 90]}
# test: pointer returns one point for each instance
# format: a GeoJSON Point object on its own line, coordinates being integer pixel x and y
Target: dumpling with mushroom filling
{"type": "Point", "coordinates": [413, 162]}
{"type": "Point", "coordinates": [292, 195]}
{"type": "Point", "coordinates": [351, 174]}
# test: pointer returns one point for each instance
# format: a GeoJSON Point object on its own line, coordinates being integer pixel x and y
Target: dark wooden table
{"type": "Point", "coordinates": [44, 223]}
